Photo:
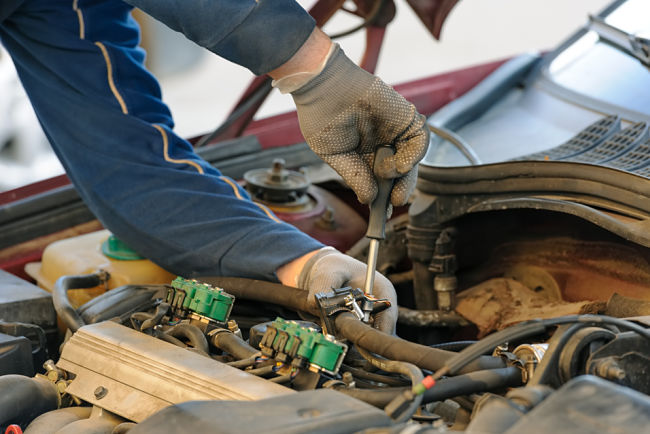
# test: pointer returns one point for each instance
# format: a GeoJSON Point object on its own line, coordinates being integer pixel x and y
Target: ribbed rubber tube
{"type": "Point", "coordinates": [394, 348]}
{"type": "Point", "coordinates": [268, 292]}
{"type": "Point", "coordinates": [390, 347]}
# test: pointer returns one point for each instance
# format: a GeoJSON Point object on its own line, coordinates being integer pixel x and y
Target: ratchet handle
{"type": "Point", "coordinates": [379, 207]}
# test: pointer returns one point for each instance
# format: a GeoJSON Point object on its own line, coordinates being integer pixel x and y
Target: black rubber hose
{"type": "Point", "coordinates": [138, 318]}
{"type": "Point", "coordinates": [232, 344]}
{"type": "Point", "coordinates": [474, 382]}
{"type": "Point", "coordinates": [64, 309]}
{"type": "Point", "coordinates": [192, 334]}
{"type": "Point", "coordinates": [23, 398]}
{"type": "Point", "coordinates": [154, 320]}
{"type": "Point", "coordinates": [525, 330]}
{"type": "Point", "coordinates": [268, 292]}
{"type": "Point", "coordinates": [394, 348]}
{"type": "Point", "coordinates": [430, 318]}
{"type": "Point", "coordinates": [408, 369]}
{"type": "Point", "coordinates": [167, 338]}
{"type": "Point", "coordinates": [390, 347]}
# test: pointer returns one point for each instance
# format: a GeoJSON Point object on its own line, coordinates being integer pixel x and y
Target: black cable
{"type": "Point", "coordinates": [348, 325]}
{"type": "Point", "coordinates": [374, 377]}
{"type": "Point", "coordinates": [450, 387]}
{"type": "Point", "coordinates": [244, 363]}
{"type": "Point", "coordinates": [395, 348]}
{"type": "Point", "coordinates": [398, 412]}
{"type": "Point", "coordinates": [261, 372]}
{"type": "Point", "coordinates": [454, 346]}
{"type": "Point", "coordinates": [527, 329]}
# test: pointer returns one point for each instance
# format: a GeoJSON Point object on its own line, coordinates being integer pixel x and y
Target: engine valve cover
{"type": "Point", "coordinates": [135, 375]}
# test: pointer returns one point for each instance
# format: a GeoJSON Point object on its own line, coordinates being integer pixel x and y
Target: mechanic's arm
{"type": "Point", "coordinates": [345, 114]}
{"type": "Point", "coordinates": [104, 116]}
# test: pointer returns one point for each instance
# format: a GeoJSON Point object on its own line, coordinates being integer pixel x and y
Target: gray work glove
{"type": "Point", "coordinates": [330, 269]}
{"type": "Point", "coordinates": [345, 114]}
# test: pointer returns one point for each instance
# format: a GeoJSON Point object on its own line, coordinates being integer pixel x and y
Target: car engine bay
{"type": "Point", "coordinates": [523, 287]}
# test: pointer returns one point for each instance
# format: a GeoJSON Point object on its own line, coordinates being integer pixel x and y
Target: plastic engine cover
{"type": "Point", "coordinates": [588, 405]}
{"type": "Point", "coordinates": [315, 411]}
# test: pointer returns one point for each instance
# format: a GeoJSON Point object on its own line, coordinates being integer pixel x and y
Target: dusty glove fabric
{"type": "Point", "coordinates": [345, 114]}
{"type": "Point", "coordinates": [330, 269]}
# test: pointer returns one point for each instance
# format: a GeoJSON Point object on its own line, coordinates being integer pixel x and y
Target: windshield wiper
{"type": "Point", "coordinates": [629, 43]}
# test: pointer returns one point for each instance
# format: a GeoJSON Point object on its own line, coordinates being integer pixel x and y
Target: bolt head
{"type": "Point", "coordinates": [100, 392]}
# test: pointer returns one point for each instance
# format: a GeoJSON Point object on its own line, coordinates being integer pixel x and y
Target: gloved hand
{"type": "Point", "coordinates": [345, 114]}
{"type": "Point", "coordinates": [330, 269]}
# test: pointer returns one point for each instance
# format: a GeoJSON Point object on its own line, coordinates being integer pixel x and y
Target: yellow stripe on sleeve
{"type": "Point", "coordinates": [239, 196]}
{"type": "Point", "coordinates": [163, 133]}
{"type": "Point", "coordinates": [109, 71]}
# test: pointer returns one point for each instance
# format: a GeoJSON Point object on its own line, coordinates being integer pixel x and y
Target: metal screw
{"type": "Point", "coordinates": [608, 368]}
{"type": "Point", "coordinates": [234, 327]}
{"type": "Point", "coordinates": [348, 379]}
{"type": "Point", "coordinates": [100, 392]}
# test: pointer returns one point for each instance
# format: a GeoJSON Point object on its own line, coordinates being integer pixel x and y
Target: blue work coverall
{"type": "Point", "coordinates": [101, 110]}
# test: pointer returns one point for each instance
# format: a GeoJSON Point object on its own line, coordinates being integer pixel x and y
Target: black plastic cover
{"type": "Point", "coordinates": [121, 302]}
{"type": "Point", "coordinates": [315, 411]}
{"type": "Point", "coordinates": [588, 405]}
{"type": "Point", "coordinates": [16, 355]}
{"type": "Point", "coordinates": [21, 301]}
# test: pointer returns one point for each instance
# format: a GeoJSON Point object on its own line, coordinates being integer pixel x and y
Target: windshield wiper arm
{"type": "Point", "coordinates": [631, 44]}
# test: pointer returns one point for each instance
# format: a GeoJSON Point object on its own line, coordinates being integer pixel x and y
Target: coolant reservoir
{"type": "Point", "coordinates": [89, 253]}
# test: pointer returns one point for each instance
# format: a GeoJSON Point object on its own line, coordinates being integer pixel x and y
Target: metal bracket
{"type": "Point", "coordinates": [347, 299]}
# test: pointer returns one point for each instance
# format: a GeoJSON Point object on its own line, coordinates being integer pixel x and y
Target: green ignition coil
{"type": "Point", "coordinates": [303, 347]}
{"type": "Point", "coordinates": [200, 298]}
